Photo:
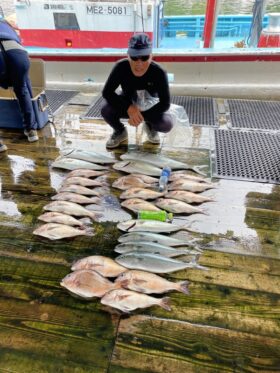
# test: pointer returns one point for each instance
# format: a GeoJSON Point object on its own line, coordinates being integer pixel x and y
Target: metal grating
{"type": "Point", "coordinates": [200, 110]}
{"type": "Point", "coordinates": [57, 99]}
{"type": "Point", "coordinates": [94, 111]}
{"type": "Point", "coordinates": [247, 155]}
{"type": "Point", "coordinates": [264, 115]}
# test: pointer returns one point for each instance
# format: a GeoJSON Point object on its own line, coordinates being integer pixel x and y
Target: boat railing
{"type": "Point", "coordinates": [193, 26]}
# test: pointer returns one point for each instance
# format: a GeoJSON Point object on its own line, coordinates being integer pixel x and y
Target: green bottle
{"type": "Point", "coordinates": [155, 215]}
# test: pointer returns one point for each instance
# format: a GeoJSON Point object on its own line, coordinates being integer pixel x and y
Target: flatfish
{"type": "Point", "coordinates": [88, 156]}
{"type": "Point", "coordinates": [188, 197]}
{"type": "Point", "coordinates": [148, 226]}
{"type": "Point", "coordinates": [138, 204]}
{"type": "Point", "coordinates": [55, 231]}
{"type": "Point", "coordinates": [150, 262]}
{"type": "Point", "coordinates": [58, 217]}
{"type": "Point", "coordinates": [137, 167]}
{"type": "Point", "coordinates": [76, 198]}
{"type": "Point", "coordinates": [127, 300]}
{"type": "Point", "coordinates": [152, 248]}
{"type": "Point", "coordinates": [177, 207]}
{"type": "Point", "coordinates": [73, 164]}
{"type": "Point", "coordinates": [87, 284]}
{"type": "Point", "coordinates": [69, 208]}
{"type": "Point", "coordinates": [141, 193]}
{"type": "Point", "coordinates": [149, 283]}
{"type": "Point", "coordinates": [105, 266]}
{"type": "Point", "coordinates": [153, 237]}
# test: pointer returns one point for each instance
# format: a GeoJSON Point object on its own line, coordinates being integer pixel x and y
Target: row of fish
{"type": "Point", "coordinates": [63, 214]}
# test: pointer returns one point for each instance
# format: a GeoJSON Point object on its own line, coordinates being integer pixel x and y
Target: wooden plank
{"type": "Point", "coordinates": [157, 345]}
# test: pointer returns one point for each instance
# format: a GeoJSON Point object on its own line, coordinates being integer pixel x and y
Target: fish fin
{"type": "Point", "coordinates": [132, 225]}
{"type": "Point", "coordinates": [139, 282]}
{"type": "Point", "coordinates": [183, 287]}
{"type": "Point", "coordinates": [85, 221]}
{"type": "Point", "coordinates": [197, 170]}
{"type": "Point", "coordinates": [124, 283]}
{"type": "Point", "coordinates": [165, 303]}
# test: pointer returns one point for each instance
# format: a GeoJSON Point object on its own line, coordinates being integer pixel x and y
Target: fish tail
{"type": "Point", "coordinates": [165, 303]}
{"type": "Point", "coordinates": [198, 171]}
{"type": "Point", "coordinates": [94, 216]}
{"type": "Point", "coordinates": [84, 221]}
{"type": "Point", "coordinates": [183, 287]}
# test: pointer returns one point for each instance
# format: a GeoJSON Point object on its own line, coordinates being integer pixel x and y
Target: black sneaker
{"type": "Point", "coordinates": [32, 135]}
{"type": "Point", "coordinates": [152, 135]}
{"type": "Point", "coordinates": [116, 139]}
{"type": "Point", "coordinates": [3, 147]}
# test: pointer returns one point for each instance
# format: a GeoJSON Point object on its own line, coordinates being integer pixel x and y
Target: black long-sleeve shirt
{"type": "Point", "coordinates": [154, 81]}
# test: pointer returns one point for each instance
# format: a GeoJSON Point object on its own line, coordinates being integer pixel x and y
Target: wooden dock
{"type": "Point", "coordinates": [230, 322]}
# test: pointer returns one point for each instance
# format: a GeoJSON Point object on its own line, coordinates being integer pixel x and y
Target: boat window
{"type": "Point", "coordinates": [66, 21]}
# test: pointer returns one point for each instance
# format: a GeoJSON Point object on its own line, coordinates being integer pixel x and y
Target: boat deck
{"type": "Point", "coordinates": [228, 323]}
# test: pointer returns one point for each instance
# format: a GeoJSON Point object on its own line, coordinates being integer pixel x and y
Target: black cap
{"type": "Point", "coordinates": [139, 45]}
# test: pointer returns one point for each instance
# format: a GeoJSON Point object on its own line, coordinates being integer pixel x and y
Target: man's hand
{"type": "Point", "coordinates": [135, 116]}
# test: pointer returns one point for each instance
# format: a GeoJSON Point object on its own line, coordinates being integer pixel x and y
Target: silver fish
{"type": "Point", "coordinates": [87, 284]}
{"type": "Point", "coordinates": [107, 267]}
{"type": "Point", "coordinates": [84, 181]}
{"type": "Point", "coordinates": [137, 167]}
{"type": "Point", "coordinates": [58, 217]}
{"type": "Point", "coordinates": [188, 197]}
{"type": "Point", "coordinates": [149, 283]}
{"type": "Point", "coordinates": [141, 193]}
{"type": "Point", "coordinates": [69, 208]}
{"type": "Point", "coordinates": [150, 262]}
{"type": "Point", "coordinates": [127, 300]}
{"type": "Point", "coordinates": [157, 160]}
{"type": "Point", "coordinates": [152, 248]}
{"type": "Point", "coordinates": [148, 226]}
{"type": "Point", "coordinates": [137, 204]}
{"type": "Point", "coordinates": [55, 231]}
{"type": "Point", "coordinates": [85, 173]}
{"type": "Point", "coordinates": [153, 237]}
{"type": "Point", "coordinates": [176, 207]}
{"type": "Point", "coordinates": [189, 185]}
{"type": "Point", "coordinates": [79, 189]}
{"type": "Point", "coordinates": [73, 164]}
{"type": "Point", "coordinates": [76, 198]}
{"type": "Point", "coordinates": [87, 155]}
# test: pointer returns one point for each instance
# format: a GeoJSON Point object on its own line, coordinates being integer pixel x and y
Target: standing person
{"type": "Point", "coordinates": [145, 94]}
{"type": "Point", "coordinates": [17, 66]}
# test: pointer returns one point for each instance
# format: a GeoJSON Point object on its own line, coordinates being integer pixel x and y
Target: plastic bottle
{"type": "Point", "coordinates": [163, 180]}
{"type": "Point", "coordinates": [155, 215]}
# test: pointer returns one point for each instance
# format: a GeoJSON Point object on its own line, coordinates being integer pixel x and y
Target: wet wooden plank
{"type": "Point", "coordinates": [146, 344]}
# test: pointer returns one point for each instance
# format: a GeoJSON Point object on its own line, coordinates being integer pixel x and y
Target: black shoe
{"type": "Point", "coordinates": [116, 139]}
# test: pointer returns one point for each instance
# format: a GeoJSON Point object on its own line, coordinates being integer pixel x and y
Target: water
{"type": "Point", "coordinates": [188, 7]}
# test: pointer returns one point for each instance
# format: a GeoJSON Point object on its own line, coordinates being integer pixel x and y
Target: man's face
{"type": "Point", "coordinates": [140, 64]}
